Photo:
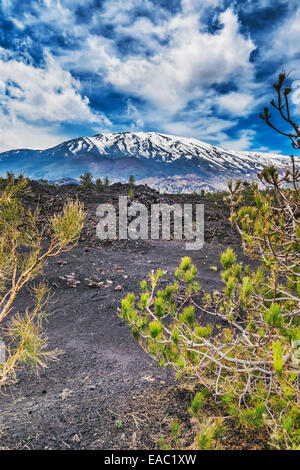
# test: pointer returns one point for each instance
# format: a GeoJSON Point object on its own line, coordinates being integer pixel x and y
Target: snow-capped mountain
{"type": "Point", "coordinates": [162, 161]}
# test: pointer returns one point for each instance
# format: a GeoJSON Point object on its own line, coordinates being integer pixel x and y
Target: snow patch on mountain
{"type": "Point", "coordinates": [169, 148]}
{"type": "Point", "coordinates": [164, 161]}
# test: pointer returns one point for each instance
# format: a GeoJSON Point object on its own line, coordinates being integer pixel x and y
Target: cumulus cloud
{"type": "Point", "coordinates": [213, 129]}
{"type": "Point", "coordinates": [32, 99]}
{"type": "Point", "coordinates": [286, 42]}
{"type": "Point", "coordinates": [134, 115]}
{"type": "Point", "coordinates": [48, 93]}
{"type": "Point", "coordinates": [176, 64]}
{"type": "Point", "coordinates": [19, 134]}
{"type": "Point", "coordinates": [244, 141]}
{"type": "Point", "coordinates": [181, 70]}
{"type": "Point", "coordinates": [237, 104]}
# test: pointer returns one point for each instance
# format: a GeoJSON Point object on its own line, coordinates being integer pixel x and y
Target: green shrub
{"type": "Point", "coordinates": [250, 364]}
{"type": "Point", "coordinates": [24, 249]}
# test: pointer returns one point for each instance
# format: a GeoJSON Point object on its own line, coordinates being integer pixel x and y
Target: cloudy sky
{"type": "Point", "coordinates": [200, 68]}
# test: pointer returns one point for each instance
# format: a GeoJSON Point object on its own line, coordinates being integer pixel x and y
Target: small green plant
{"type": "Point", "coordinates": [119, 424]}
{"type": "Point", "coordinates": [164, 445]}
{"type": "Point", "coordinates": [131, 193]}
{"type": "Point", "coordinates": [86, 181]}
{"type": "Point", "coordinates": [11, 179]}
{"type": "Point", "coordinates": [176, 432]}
{"type": "Point", "coordinates": [199, 401]}
{"type": "Point", "coordinates": [208, 431]}
{"type": "Point", "coordinates": [211, 431]}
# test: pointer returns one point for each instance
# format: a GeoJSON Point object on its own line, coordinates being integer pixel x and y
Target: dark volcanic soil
{"type": "Point", "coordinates": [103, 375]}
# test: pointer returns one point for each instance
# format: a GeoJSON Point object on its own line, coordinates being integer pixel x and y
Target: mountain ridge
{"type": "Point", "coordinates": [163, 161]}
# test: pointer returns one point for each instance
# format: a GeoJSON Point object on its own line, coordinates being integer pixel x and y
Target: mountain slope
{"type": "Point", "coordinates": [163, 161]}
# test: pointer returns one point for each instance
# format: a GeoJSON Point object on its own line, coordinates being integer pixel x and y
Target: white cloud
{"type": "Point", "coordinates": [22, 135]}
{"type": "Point", "coordinates": [184, 60]}
{"type": "Point", "coordinates": [243, 142]}
{"type": "Point", "coordinates": [49, 93]}
{"type": "Point", "coordinates": [211, 129]}
{"type": "Point", "coordinates": [6, 5]}
{"type": "Point", "coordinates": [181, 63]}
{"type": "Point", "coordinates": [237, 104]}
{"type": "Point", "coordinates": [177, 71]}
{"type": "Point", "coordinates": [283, 45]}
{"type": "Point", "coordinates": [286, 38]}
{"type": "Point", "coordinates": [171, 68]}
{"type": "Point", "coordinates": [32, 99]}
{"type": "Point", "coordinates": [49, 11]}
{"type": "Point", "coordinates": [134, 115]}
{"type": "Point", "coordinates": [181, 70]}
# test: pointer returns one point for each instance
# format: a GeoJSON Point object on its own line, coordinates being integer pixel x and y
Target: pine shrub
{"type": "Point", "coordinates": [25, 247]}
{"type": "Point", "coordinates": [86, 181]}
{"type": "Point", "coordinates": [251, 365]}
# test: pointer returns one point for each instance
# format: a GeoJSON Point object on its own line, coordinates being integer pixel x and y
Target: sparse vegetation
{"type": "Point", "coordinates": [131, 193]}
{"type": "Point", "coordinates": [45, 182]}
{"type": "Point", "coordinates": [217, 196]}
{"type": "Point", "coordinates": [99, 185]}
{"type": "Point", "coordinates": [251, 365]}
{"type": "Point", "coordinates": [23, 254]}
{"type": "Point", "coordinates": [236, 350]}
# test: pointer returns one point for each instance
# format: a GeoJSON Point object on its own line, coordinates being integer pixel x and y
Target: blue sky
{"type": "Point", "coordinates": [200, 68]}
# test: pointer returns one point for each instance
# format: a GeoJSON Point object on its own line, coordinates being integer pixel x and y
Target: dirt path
{"type": "Point", "coordinates": [104, 392]}
{"type": "Point", "coordinates": [103, 375]}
